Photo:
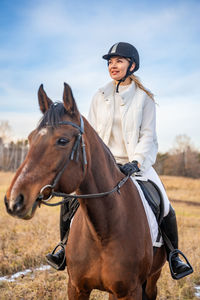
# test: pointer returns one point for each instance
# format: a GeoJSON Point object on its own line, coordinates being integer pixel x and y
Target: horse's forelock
{"type": "Point", "coordinates": [53, 116]}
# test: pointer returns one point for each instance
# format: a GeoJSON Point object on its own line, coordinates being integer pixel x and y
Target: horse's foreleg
{"type": "Point", "coordinates": [73, 294]}
{"type": "Point", "coordinates": [151, 287]}
{"type": "Point", "coordinates": [136, 294]}
{"type": "Point", "coordinates": [112, 297]}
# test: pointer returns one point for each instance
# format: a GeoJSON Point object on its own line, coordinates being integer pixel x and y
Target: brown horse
{"type": "Point", "coordinates": [109, 246]}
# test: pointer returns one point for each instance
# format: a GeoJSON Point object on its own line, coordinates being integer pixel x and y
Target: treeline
{"type": "Point", "coordinates": [186, 164]}
{"type": "Point", "coordinates": [176, 162]}
{"type": "Point", "coordinates": [182, 160]}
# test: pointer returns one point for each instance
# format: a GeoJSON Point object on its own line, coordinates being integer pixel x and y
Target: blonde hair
{"type": "Point", "coordinates": [140, 85]}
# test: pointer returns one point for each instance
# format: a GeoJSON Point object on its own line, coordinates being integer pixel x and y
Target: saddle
{"type": "Point", "coordinates": [153, 196]}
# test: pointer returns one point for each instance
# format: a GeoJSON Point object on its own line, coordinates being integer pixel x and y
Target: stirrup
{"type": "Point", "coordinates": [64, 258]}
{"type": "Point", "coordinates": [183, 274]}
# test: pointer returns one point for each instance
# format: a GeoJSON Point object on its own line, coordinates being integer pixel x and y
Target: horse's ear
{"type": "Point", "coordinates": [43, 99]}
{"type": "Point", "coordinates": [68, 99]}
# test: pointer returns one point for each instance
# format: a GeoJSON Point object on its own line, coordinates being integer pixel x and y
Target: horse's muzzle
{"type": "Point", "coordinates": [18, 209]}
{"type": "Point", "coordinates": [18, 206]}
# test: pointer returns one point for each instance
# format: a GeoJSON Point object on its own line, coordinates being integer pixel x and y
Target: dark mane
{"type": "Point", "coordinates": [52, 116]}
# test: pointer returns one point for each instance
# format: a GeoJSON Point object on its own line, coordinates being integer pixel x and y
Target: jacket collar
{"type": "Point", "coordinates": [128, 94]}
{"type": "Point", "coordinates": [109, 89]}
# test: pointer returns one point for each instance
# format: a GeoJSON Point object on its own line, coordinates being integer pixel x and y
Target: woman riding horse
{"type": "Point", "coordinates": [123, 114]}
{"type": "Point", "coordinates": [110, 246]}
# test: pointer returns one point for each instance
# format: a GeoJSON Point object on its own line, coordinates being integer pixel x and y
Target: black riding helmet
{"type": "Point", "coordinates": [125, 50]}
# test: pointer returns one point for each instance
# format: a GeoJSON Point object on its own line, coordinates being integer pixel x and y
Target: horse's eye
{"type": "Point", "coordinates": [62, 142]}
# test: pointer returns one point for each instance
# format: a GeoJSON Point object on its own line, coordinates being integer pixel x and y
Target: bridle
{"type": "Point", "coordinates": [49, 188]}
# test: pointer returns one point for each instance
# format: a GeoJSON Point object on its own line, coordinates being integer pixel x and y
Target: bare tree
{"type": "Point", "coordinates": [186, 155]}
{"type": "Point", "coordinates": [5, 131]}
{"type": "Point", "coordinates": [182, 160]}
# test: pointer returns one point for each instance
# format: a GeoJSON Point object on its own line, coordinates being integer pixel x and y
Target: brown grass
{"type": "Point", "coordinates": [23, 244]}
{"type": "Point", "coordinates": [182, 188]}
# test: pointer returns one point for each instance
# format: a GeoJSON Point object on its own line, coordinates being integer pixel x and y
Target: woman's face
{"type": "Point", "coordinates": [118, 66]}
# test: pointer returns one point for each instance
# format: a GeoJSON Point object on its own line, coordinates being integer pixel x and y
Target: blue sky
{"type": "Point", "coordinates": [51, 42]}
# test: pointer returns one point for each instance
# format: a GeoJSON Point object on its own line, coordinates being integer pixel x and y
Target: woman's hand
{"type": "Point", "coordinates": [130, 168]}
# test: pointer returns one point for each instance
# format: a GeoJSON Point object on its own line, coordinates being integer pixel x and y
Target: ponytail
{"type": "Point", "coordinates": [140, 85]}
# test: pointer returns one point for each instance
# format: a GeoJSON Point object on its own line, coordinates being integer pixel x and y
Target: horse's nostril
{"type": "Point", "coordinates": [19, 203]}
{"type": "Point", "coordinates": [6, 202]}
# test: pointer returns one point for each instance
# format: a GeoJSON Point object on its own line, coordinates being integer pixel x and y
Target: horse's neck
{"type": "Point", "coordinates": [102, 175]}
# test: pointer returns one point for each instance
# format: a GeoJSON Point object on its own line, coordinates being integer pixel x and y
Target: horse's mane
{"type": "Point", "coordinates": [105, 147]}
{"type": "Point", "coordinates": [52, 116]}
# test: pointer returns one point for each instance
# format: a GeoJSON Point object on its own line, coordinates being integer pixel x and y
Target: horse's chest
{"type": "Point", "coordinates": [102, 271]}
{"type": "Point", "coordinates": [95, 267]}
{"type": "Point", "coordinates": [92, 264]}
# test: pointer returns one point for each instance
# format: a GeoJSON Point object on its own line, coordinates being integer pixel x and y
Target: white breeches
{"type": "Point", "coordinates": [153, 176]}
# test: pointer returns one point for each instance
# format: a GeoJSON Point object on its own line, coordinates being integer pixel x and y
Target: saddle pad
{"type": "Point", "coordinates": [154, 197]}
{"type": "Point", "coordinates": [153, 225]}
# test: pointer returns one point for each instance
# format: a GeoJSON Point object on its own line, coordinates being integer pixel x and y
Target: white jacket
{"type": "Point", "coordinates": [138, 116]}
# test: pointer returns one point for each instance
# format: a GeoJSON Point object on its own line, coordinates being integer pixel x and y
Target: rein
{"type": "Point", "coordinates": [49, 188]}
{"type": "Point", "coordinates": [86, 196]}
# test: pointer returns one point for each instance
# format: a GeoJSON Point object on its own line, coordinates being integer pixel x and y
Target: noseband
{"type": "Point", "coordinates": [49, 189]}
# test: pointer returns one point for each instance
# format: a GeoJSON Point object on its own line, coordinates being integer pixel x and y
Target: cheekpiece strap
{"type": "Point", "coordinates": [78, 140]}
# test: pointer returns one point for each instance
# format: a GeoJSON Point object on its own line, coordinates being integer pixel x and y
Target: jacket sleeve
{"type": "Point", "coordinates": [146, 148]}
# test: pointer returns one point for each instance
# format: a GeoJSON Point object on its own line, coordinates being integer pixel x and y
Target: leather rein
{"type": "Point", "coordinates": [49, 188]}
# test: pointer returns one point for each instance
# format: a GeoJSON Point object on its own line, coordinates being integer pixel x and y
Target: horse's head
{"type": "Point", "coordinates": [54, 156]}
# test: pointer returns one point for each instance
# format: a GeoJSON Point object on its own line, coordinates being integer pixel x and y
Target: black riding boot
{"type": "Point", "coordinates": [57, 260]}
{"type": "Point", "coordinates": [169, 228]}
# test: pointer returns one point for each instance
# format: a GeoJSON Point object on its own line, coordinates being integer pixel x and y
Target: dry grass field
{"type": "Point", "coordinates": [23, 244]}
